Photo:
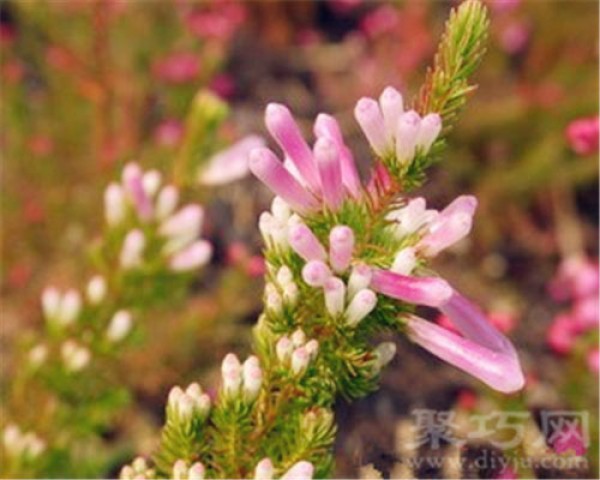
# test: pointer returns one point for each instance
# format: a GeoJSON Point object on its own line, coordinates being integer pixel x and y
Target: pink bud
{"type": "Point", "coordinates": [326, 126]}
{"type": "Point", "coordinates": [187, 222]}
{"type": "Point", "coordinates": [361, 305]}
{"type": "Point", "coordinates": [370, 119]}
{"type": "Point", "coordinates": [133, 249]}
{"type": "Point", "coordinates": [283, 349]}
{"type": "Point", "coordinates": [193, 256]}
{"type": "Point", "coordinates": [300, 359]}
{"type": "Point", "coordinates": [431, 126]}
{"type": "Point", "coordinates": [328, 162]}
{"type": "Point", "coordinates": [265, 165]}
{"type": "Point", "coordinates": [360, 278]}
{"type": "Point", "coordinates": [586, 313]}
{"type": "Point", "coordinates": [315, 273]}
{"type": "Point", "coordinates": [428, 291]}
{"type": "Point", "coordinates": [450, 226]}
{"type": "Point", "coordinates": [285, 131]}
{"type": "Point", "coordinates": [593, 360]}
{"type": "Point", "coordinates": [299, 471]}
{"type": "Point", "coordinates": [264, 470]}
{"type": "Point", "coordinates": [133, 184]}
{"type": "Point", "coordinates": [582, 135]}
{"type": "Point", "coordinates": [392, 106]}
{"type": "Point", "coordinates": [335, 292]}
{"type": "Point", "coordinates": [231, 371]}
{"type": "Point", "coordinates": [341, 244]}
{"type": "Point", "coordinates": [305, 243]}
{"type": "Point", "coordinates": [407, 133]}
{"type": "Point", "coordinates": [562, 334]}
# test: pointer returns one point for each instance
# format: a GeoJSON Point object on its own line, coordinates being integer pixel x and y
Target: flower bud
{"type": "Point", "coordinates": [300, 359]}
{"type": "Point", "coordinates": [361, 305]}
{"type": "Point", "coordinates": [182, 227]}
{"type": "Point", "coordinates": [392, 106]}
{"type": "Point", "coordinates": [70, 306]}
{"type": "Point", "coordinates": [335, 292]}
{"type": "Point", "coordinates": [312, 347]}
{"type": "Point", "coordinates": [298, 338]}
{"type": "Point", "coordinates": [264, 470]}
{"type": "Point", "coordinates": [133, 249]}
{"type": "Point", "coordinates": [166, 201]}
{"type": "Point", "coordinates": [273, 230]}
{"type": "Point", "coordinates": [280, 209]}
{"type": "Point", "coordinates": [406, 136]}
{"type": "Point", "coordinates": [327, 158]}
{"type": "Point", "coordinates": [96, 289]}
{"type": "Point", "coordinates": [114, 204]}
{"type": "Point", "coordinates": [304, 242]}
{"type": "Point", "coordinates": [180, 470]}
{"type": "Point", "coordinates": [384, 353]}
{"type": "Point", "coordinates": [290, 293]}
{"type": "Point", "coordinates": [194, 256]}
{"type": "Point", "coordinates": [51, 300]}
{"type": "Point", "coordinates": [74, 356]}
{"type": "Point", "coordinates": [369, 117]}
{"type": "Point", "coordinates": [315, 273]}
{"type": "Point", "coordinates": [132, 179]}
{"type": "Point", "coordinates": [252, 375]}
{"type": "Point", "coordinates": [341, 244]}
{"type": "Point", "coordinates": [119, 326]}
{"type": "Point", "coordinates": [37, 355]}
{"type": "Point", "coordinates": [431, 126]}
{"type": "Point", "coordinates": [284, 276]}
{"type": "Point", "coordinates": [196, 471]}
{"type": "Point", "coordinates": [283, 349]}
{"type": "Point", "coordinates": [231, 371]}
{"type": "Point", "coordinates": [299, 471]}
{"type": "Point", "coordinates": [405, 261]}
{"type": "Point", "coordinates": [360, 278]}
{"type": "Point", "coordinates": [151, 182]}
{"type": "Point", "coordinates": [273, 301]}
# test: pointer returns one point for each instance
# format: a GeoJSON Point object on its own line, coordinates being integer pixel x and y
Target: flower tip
{"type": "Point", "coordinates": [390, 93]}
{"type": "Point", "coordinates": [411, 118]}
{"type": "Point", "coordinates": [325, 149]}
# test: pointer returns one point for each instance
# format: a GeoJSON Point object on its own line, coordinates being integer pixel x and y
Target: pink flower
{"type": "Point", "coordinates": [133, 185]}
{"type": "Point", "coordinates": [507, 473]}
{"type": "Point", "coordinates": [481, 351]}
{"type": "Point", "coordinates": [168, 133]}
{"type": "Point", "coordinates": [586, 312]}
{"type": "Point", "coordinates": [582, 135]}
{"type": "Point", "coordinates": [576, 277]}
{"type": "Point", "coordinates": [505, 322]}
{"type": "Point", "coordinates": [428, 291]}
{"type": "Point", "coordinates": [562, 334]}
{"type": "Point", "coordinates": [381, 20]}
{"type": "Point", "coordinates": [567, 440]}
{"type": "Point", "coordinates": [220, 22]}
{"type": "Point", "coordinates": [230, 164]}
{"type": "Point", "coordinates": [514, 37]}
{"type": "Point", "coordinates": [178, 68]}
{"type": "Point", "coordinates": [223, 85]}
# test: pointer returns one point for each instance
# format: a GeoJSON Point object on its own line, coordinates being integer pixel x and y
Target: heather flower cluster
{"type": "Point", "coordinates": [576, 282]}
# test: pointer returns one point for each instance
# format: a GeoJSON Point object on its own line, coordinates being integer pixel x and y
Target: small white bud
{"type": "Point", "coordinates": [299, 471]}
{"type": "Point", "coordinates": [264, 470]}
{"type": "Point", "coordinates": [196, 472]}
{"type": "Point", "coordinates": [298, 338]}
{"type": "Point", "coordinates": [284, 276]}
{"type": "Point", "coordinates": [12, 439]}
{"type": "Point", "coordinates": [315, 273]}
{"type": "Point", "coordinates": [114, 204]}
{"type": "Point", "coordinates": [96, 289]}
{"type": "Point", "coordinates": [384, 352]}
{"type": "Point", "coordinates": [300, 359]}
{"type": "Point", "coordinates": [231, 371]}
{"type": "Point", "coordinates": [273, 300]}
{"type": "Point", "coordinates": [405, 261]}
{"type": "Point", "coordinates": [166, 201]}
{"type": "Point", "coordinates": [51, 300]}
{"type": "Point", "coordinates": [280, 209]}
{"type": "Point", "coordinates": [335, 293]}
{"type": "Point", "coordinates": [119, 326]}
{"type": "Point", "coordinates": [139, 464]}
{"type": "Point", "coordinates": [180, 470]}
{"type": "Point", "coordinates": [70, 306]}
{"type": "Point", "coordinates": [312, 347]}
{"type": "Point", "coordinates": [290, 293]}
{"type": "Point", "coordinates": [252, 375]}
{"type": "Point", "coordinates": [132, 250]}
{"type": "Point", "coordinates": [151, 182]}
{"type": "Point", "coordinates": [361, 305]}
{"type": "Point", "coordinates": [360, 278]}
{"type": "Point", "coordinates": [75, 356]}
{"type": "Point", "coordinates": [283, 349]}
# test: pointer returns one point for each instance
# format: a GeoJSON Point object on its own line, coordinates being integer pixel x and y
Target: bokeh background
{"type": "Point", "coordinates": [87, 86]}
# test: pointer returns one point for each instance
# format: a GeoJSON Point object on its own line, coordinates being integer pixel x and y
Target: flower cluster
{"type": "Point", "coordinates": [576, 281]}
{"type": "Point", "coordinates": [21, 445]}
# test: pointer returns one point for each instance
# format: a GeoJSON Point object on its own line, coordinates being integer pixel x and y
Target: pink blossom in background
{"type": "Point", "coordinates": [585, 313]}
{"type": "Point", "coordinates": [379, 21]}
{"type": "Point", "coordinates": [256, 266]}
{"type": "Point", "coordinates": [223, 85]}
{"type": "Point", "coordinates": [40, 144]}
{"type": "Point", "coordinates": [567, 440]}
{"type": "Point", "coordinates": [503, 321]}
{"type": "Point", "coordinates": [506, 473]}
{"type": "Point", "coordinates": [503, 6]}
{"type": "Point", "coordinates": [13, 71]}
{"type": "Point", "coordinates": [7, 34]}
{"type": "Point", "coordinates": [582, 135]}
{"type": "Point", "coordinates": [562, 334]}
{"type": "Point", "coordinates": [467, 399]}
{"type": "Point", "coordinates": [237, 252]}
{"type": "Point", "coordinates": [593, 360]}
{"type": "Point", "coordinates": [168, 133]}
{"type": "Point", "coordinates": [178, 68]}
{"type": "Point", "coordinates": [514, 37]}
{"type": "Point", "coordinates": [221, 22]}
{"type": "Point", "coordinates": [576, 276]}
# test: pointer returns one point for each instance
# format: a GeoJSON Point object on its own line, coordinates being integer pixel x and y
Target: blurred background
{"type": "Point", "coordinates": [88, 86]}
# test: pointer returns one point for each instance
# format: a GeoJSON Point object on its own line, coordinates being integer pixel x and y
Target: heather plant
{"type": "Point", "coordinates": [345, 261]}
